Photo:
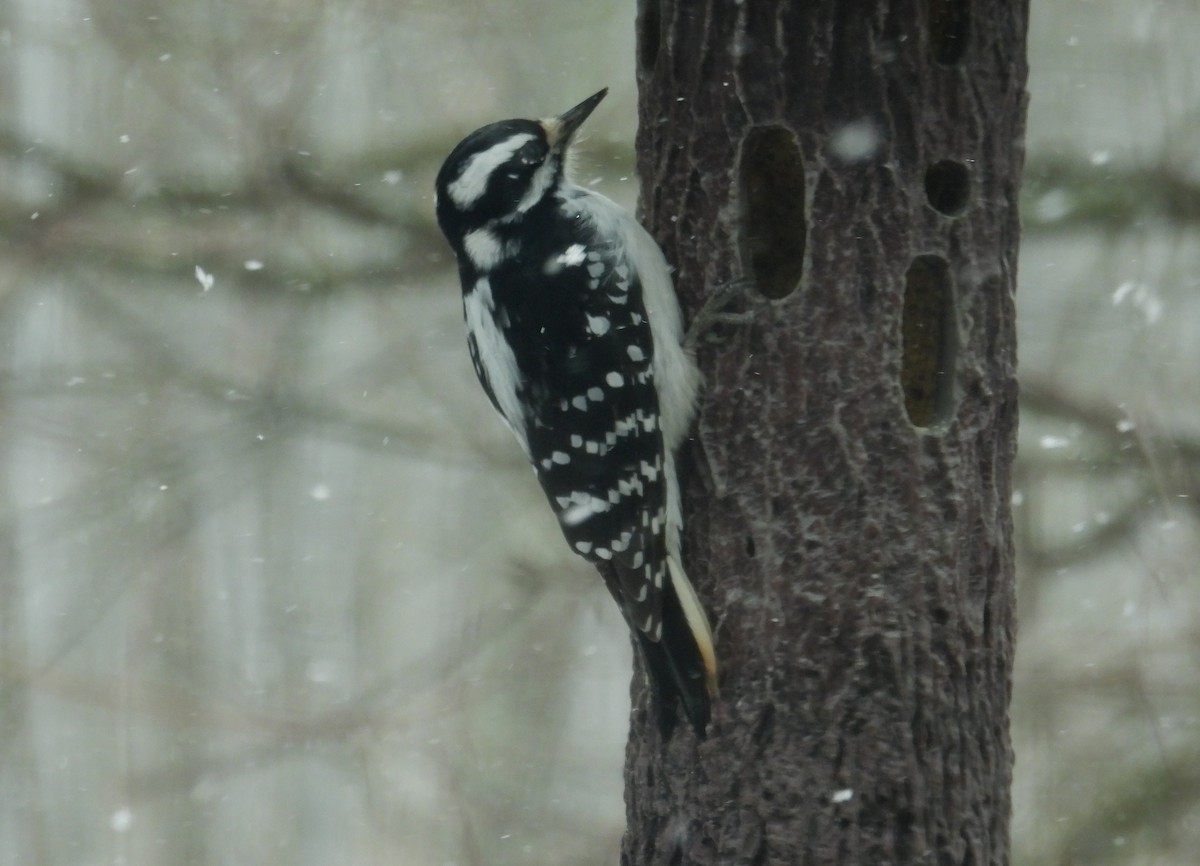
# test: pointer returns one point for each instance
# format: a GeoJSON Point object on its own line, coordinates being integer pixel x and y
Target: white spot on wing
{"type": "Point", "coordinates": [573, 256]}
{"type": "Point", "coordinates": [586, 506]}
{"type": "Point", "coordinates": [598, 325]}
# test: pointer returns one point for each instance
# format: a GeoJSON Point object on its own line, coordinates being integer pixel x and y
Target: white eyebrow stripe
{"type": "Point", "coordinates": [472, 183]}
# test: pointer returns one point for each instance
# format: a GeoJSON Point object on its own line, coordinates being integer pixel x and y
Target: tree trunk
{"type": "Point", "coordinates": [847, 492]}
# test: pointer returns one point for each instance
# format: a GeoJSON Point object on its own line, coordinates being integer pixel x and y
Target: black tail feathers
{"type": "Point", "coordinates": [676, 670]}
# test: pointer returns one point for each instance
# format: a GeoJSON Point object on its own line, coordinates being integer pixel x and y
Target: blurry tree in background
{"type": "Point", "coordinates": [274, 586]}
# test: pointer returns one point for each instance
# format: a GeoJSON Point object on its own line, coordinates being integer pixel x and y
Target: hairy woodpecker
{"type": "Point", "coordinates": [576, 335]}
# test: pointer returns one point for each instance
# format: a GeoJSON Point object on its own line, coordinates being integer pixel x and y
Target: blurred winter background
{"type": "Point", "coordinates": [275, 586]}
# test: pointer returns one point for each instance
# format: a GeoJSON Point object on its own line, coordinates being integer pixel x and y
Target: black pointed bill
{"type": "Point", "coordinates": [560, 129]}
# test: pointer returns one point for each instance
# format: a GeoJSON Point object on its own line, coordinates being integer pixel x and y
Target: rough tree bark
{"type": "Point", "coordinates": [848, 487]}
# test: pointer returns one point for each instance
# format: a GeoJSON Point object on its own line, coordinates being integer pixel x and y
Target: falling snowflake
{"type": "Point", "coordinates": [121, 820]}
{"type": "Point", "coordinates": [856, 141]}
{"type": "Point", "coordinates": [1141, 297]}
{"type": "Point", "coordinates": [1053, 443]}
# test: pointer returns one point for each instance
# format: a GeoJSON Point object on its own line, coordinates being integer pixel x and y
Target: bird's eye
{"type": "Point", "coordinates": [512, 175]}
{"type": "Point", "coordinates": [531, 153]}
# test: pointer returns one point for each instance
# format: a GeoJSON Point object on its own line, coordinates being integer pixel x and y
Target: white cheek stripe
{"type": "Point", "coordinates": [472, 183]}
{"type": "Point", "coordinates": [496, 357]}
{"type": "Point", "coordinates": [538, 185]}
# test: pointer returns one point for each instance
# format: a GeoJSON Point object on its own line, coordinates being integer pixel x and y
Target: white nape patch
{"type": "Point", "coordinates": [496, 357]}
{"type": "Point", "coordinates": [598, 325]}
{"type": "Point", "coordinates": [483, 249]}
{"type": "Point", "coordinates": [472, 183]}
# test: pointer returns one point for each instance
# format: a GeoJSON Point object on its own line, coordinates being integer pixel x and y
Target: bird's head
{"type": "Point", "coordinates": [503, 169]}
